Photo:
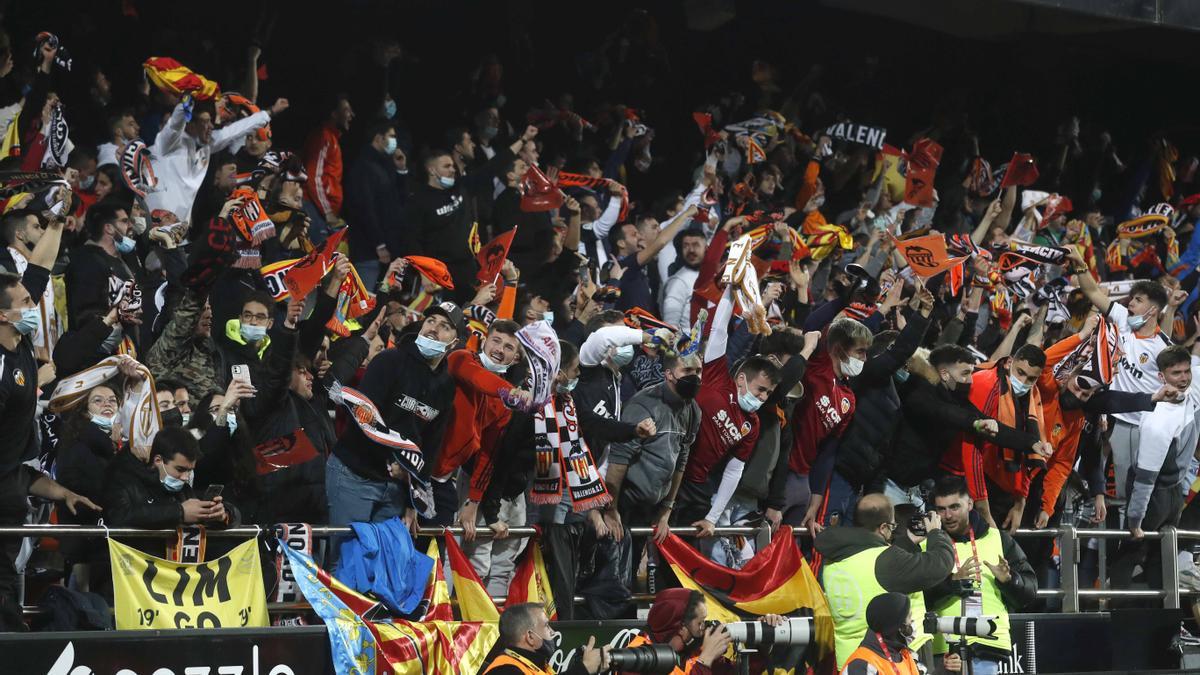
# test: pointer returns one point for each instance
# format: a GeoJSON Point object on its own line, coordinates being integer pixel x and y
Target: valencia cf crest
{"type": "Point", "coordinates": [18, 377]}
{"type": "Point", "coordinates": [1142, 359]}
{"type": "Point", "coordinates": [845, 405]}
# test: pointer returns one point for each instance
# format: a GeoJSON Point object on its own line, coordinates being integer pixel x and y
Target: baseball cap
{"type": "Point", "coordinates": [451, 311]}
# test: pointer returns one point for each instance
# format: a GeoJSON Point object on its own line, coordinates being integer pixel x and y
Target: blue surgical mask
{"type": "Point", "coordinates": [87, 183]}
{"type": "Point", "coordinates": [430, 348]}
{"type": "Point", "coordinates": [389, 148]}
{"type": "Point", "coordinates": [389, 108]}
{"type": "Point", "coordinates": [173, 484]}
{"type": "Point", "coordinates": [126, 244]}
{"type": "Point", "coordinates": [31, 318]}
{"type": "Point", "coordinates": [492, 365]}
{"type": "Point", "coordinates": [446, 182]}
{"type": "Point", "coordinates": [489, 132]}
{"type": "Point", "coordinates": [231, 422]}
{"type": "Point", "coordinates": [568, 387]}
{"type": "Point", "coordinates": [1019, 388]}
{"type": "Point", "coordinates": [105, 422]}
{"type": "Point", "coordinates": [749, 402]}
{"type": "Point", "coordinates": [252, 333]}
{"type": "Point", "coordinates": [1135, 322]}
{"type": "Point", "coordinates": [623, 356]}
{"type": "Point", "coordinates": [548, 317]}
{"type": "Point", "coordinates": [852, 367]}
{"type": "Point", "coordinates": [901, 376]}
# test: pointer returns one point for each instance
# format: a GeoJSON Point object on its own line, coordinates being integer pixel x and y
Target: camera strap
{"type": "Point", "coordinates": [974, 552]}
{"type": "Point", "coordinates": [887, 653]}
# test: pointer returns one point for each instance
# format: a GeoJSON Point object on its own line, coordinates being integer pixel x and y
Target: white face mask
{"type": "Point", "coordinates": [491, 365]}
{"type": "Point", "coordinates": [853, 367]}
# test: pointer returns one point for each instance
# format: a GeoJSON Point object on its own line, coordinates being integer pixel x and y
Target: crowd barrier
{"type": "Point", "coordinates": [1070, 541]}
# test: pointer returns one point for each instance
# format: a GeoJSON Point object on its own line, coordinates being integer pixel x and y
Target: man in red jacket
{"type": "Point", "coordinates": [323, 162]}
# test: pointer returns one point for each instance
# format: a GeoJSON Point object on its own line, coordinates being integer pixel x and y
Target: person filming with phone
{"type": "Point", "coordinates": [157, 495]}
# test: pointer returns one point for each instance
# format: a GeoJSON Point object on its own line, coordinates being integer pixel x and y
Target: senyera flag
{"type": "Point", "coordinates": [1022, 171]}
{"type": "Point", "coordinates": [927, 255]}
{"type": "Point", "coordinates": [776, 581]}
{"type": "Point", "coordinates": [362, 646]}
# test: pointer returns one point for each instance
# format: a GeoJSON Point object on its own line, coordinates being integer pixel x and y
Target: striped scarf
{"type": "Point", "coordinates": [139, 411]}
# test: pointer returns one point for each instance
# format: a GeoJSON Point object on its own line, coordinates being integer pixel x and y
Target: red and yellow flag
{"type": "Point", "coordinates": [530, 582]}
{"type": "Point", "coordinates": [474, 603]}
{"type": "Point", "coordinates": [432, 647]}
{"type": "Point", "coordinates": [776, 581]}
{"type": "Point", "coordinates": [437, 594]}
{"type": "Point", "coordinates": [175, 78]}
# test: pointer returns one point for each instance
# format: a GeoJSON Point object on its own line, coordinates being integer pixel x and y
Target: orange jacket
{"type": "Point", "coordinates": [323, 164]}
{"type": "Point", "coordinates": [991, 393]}
{"type": "Point", "coordinates": [477, 419]}
{"type": "Point", "coordinates": [1065, 426]}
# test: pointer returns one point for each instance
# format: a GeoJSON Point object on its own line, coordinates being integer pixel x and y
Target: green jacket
{"type": "Point", "coordinates": [179, 354]}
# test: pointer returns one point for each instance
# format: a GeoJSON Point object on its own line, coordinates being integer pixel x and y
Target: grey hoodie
{"type": "Point", "coordinates": [652, 460]}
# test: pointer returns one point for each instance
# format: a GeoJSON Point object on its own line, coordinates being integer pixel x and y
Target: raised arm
{"type": "Point", "coordinates": [666, 235]}
{"type": "Point", "coordinates": [719, 336]}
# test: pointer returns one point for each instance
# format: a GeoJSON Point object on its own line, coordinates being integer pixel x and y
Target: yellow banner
{"type": "Point", "coordinates": [152, 593]}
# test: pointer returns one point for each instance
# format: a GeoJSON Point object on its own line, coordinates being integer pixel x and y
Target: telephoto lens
{"type": "Point", "coordinates": [793, 631]}
{"type": "Point", "coordinates": [644, 659]}
{"type": "Point", "coordinates": [972, 626]}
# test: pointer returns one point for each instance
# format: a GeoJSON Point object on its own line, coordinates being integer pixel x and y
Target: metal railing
{"type": "Point", "coordinates": [1069, 540]}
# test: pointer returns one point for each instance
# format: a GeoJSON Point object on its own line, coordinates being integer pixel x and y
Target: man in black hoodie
{"type": "Point", "coordinates": [937, 413]}
{"type": "Point", "coordinates": [413, 391]}
{"type": "Point", "coordinates": [865, 561]}
{"type": "Point", "coordinates": [440, 215]}
{"type": "Point", "coordinates": [373, 205]}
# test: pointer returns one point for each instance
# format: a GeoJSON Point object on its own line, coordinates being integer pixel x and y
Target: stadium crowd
{"type": "Point", "coordinates": [883, 340]}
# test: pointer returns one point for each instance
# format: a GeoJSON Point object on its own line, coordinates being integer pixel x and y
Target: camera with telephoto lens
{"type": "Point", "coordinates": [644, 659]}
{"type": "Point", "coordinates": [757, 634]}
{"type": "Point", "coordinates": [971, 626]}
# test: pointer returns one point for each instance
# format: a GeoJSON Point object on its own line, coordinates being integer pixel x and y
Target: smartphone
{"type": "Point", "coordinates": [240, 371]}
{"type": "Point", "coordinates": [213, 491]}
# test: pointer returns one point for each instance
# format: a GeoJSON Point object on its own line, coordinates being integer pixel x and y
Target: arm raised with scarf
{"type": "Point", "coordinates": [225, 136]}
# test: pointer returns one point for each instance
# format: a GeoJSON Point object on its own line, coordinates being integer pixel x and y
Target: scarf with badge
{"type": "Point", "coordinates": [560, 451]}
{"type": "Point", "coordinates": [542, 356]}
{"type": "Point", "coordinates": [139, 411]}
{"type": "Point", "coordinates": [1095, 359]}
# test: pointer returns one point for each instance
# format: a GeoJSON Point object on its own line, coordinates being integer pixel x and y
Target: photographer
{"type": "Point", "coordinates": [528, 643]}
{"type": "Point", "coordinates": [865, 561]}
{"type": "Point", "coordinates": [979, 586]}
{"type": "Point", "coordinates": [679, 617]}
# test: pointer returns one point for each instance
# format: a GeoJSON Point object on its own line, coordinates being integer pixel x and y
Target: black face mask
{"type": "Point", "coordinates": [687, 387]}
{"type": "Point", "coordinates": [1069, 401]}
{"type": "Point", "coordinates": [546, 650]}
{"type": "Point", "coordinates": [172, 418]}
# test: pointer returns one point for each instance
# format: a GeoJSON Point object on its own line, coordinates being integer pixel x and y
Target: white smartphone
{"type": "Point", "coordinates": [240, 371]}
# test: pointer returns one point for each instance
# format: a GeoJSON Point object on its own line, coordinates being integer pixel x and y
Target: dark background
{"type": "Point", "coordinates": [1016, 73]}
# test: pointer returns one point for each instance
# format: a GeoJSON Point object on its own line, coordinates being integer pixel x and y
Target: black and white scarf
{"type": "Point", "coordinates": [561, 450]}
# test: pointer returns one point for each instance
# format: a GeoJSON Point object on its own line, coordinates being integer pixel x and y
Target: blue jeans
{"type": "Point", "coordinates": [318, 229]}
{"type": "Point", "coordinates": [978, 666]}
{"type": "Point", "coordinates": [840, 500]}
{"type": "Point", "coordinates": [354, 499]}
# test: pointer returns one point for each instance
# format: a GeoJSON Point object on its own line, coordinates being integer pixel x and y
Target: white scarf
{"type": "Point", "coordinates": [48, 330]}
{"type": "Point", "coordinates": [140, 419]}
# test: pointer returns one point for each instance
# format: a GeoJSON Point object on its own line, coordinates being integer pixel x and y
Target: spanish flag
{"type": "Point", "coordinates": [825, 237]}
{"type": "Point", "coordinates": [474, 603]}
{"type": "Point", "coordinates": [530, 582]}
{"type": "Point", "coordinates": [435, 605]}
{"type": "Point", "coordinates": [175, 78]}
{"type": "Point", "coordinates": [776, 581]}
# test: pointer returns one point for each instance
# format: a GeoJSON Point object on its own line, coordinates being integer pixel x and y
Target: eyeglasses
{"type": "Point", "coordinates": [249, 316]}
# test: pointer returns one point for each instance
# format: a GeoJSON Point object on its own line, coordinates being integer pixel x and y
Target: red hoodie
{"type": "Point", "coordinates": [477, 419]}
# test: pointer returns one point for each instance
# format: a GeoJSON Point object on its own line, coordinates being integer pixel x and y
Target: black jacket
{"type": "Point", "coordinates": [438, 223]}
{"type": "Point", "coordinates": [82, 347]}
{"type": "Point", "coordinates": [134, 497]}
{"type": "Point", "coordinates": [374, 206]}
{"type": "Point", "coordinates": [596, 398]}
{"type": "Point", "coordinates": [80, 467]}
{"type": "Point", "coordinates": [898, 569]}
{"type": "Point", "coordinates": [532, 243]}
{"type": "Point", "coordinates": [94, 278]}
{"type": "Point", "coordinates": [877, 407]}
{"type": "Point", "coordinates": [414, 401]}
{"type": "Point", "coordinates": [932, 419]}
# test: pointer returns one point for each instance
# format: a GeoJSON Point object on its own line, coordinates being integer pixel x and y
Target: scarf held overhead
{"type": "Point", "coordinates": [139, 411]}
